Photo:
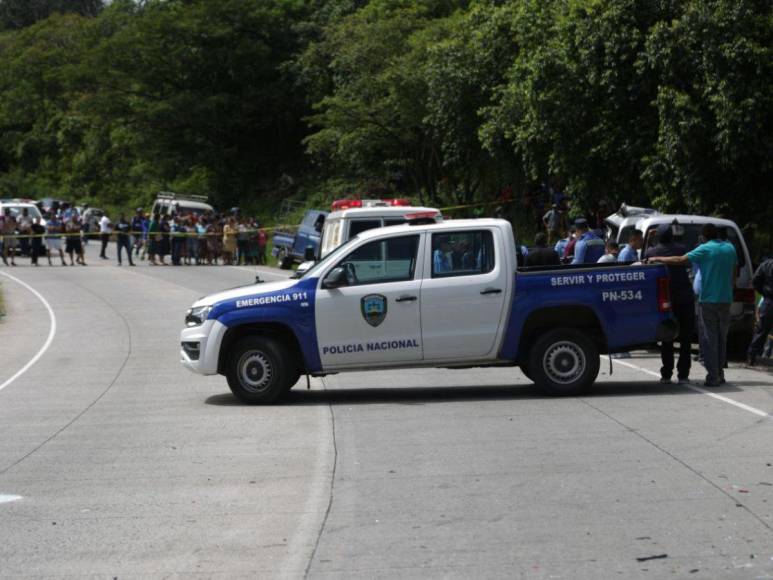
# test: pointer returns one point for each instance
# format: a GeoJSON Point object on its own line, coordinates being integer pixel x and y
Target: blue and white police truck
{"type": "Point", "coordinates": [428, 294]}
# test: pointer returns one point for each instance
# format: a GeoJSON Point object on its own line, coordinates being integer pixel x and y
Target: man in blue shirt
{"type": "Point", "coordinates": [589, 247]}
{"type": "Point", "coordinates": [630, 252]}
{"type": "Point", "coordinates": [717, 260]}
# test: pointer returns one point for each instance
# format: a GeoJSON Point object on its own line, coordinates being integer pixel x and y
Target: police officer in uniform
{"type": "Point", "coordinates": [589, 247]}
{"type": "Point", "coordinates": [763, 283]}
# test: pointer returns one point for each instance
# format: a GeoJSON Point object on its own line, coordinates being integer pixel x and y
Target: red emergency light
{"type": "Point", "coordinates": [341, 204]}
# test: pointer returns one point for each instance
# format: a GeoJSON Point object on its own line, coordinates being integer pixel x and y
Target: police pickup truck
{"type": "Point", "coordinates": [428, 295]}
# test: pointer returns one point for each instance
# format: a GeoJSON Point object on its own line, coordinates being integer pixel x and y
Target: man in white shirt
{"type": "Point", "coordinates": [104, 234]}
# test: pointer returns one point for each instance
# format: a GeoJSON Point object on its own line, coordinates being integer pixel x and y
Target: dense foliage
{"type": "Point", "coordinates": [666, 102]}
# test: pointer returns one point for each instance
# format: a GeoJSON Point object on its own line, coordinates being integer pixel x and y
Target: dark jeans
{"type": "Point", "coordinates": [685, 315]}
{"type": "Point", "coordinates": [124, 242]}
{"type": "Point", "coordinates": [715, 319]}
{"type": "Point", "coordinates": [105, 239]}
{"type": "Point", "coordinates": [763, 328]}
{"type": "Point", "coordinates": [241, 248]}
{"type": "Point", "coordinates": [178, 246]}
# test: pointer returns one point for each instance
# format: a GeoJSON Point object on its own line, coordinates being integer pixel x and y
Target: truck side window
{"type": "Point", "coordinates": [462, 253]}
{"type": "Point", "coordinates": [359, 226]}
{"type": "Point", "coordinates": [379, 261]}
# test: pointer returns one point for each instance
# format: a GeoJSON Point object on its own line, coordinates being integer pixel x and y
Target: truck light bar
{"type": "Point", "coordinates": [341, 204]}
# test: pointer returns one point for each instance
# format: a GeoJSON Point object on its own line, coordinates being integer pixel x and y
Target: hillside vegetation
{"type": "Point", "coordinates": [663, 102]}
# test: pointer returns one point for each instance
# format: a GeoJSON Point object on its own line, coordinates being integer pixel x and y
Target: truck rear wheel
{"type": "Point", "coordinates": [564, 362]}
{"type": "Point", "coordinates": [259, 370]}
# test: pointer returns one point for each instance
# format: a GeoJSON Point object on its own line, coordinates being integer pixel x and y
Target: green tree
{"type": "Point", "coordinates": [16, 14]}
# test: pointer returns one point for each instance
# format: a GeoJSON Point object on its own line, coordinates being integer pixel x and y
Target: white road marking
{"type": "Point", "coordinates": [301, 544]}
{"type": "Point", "coordinates": [8, 498]}
{"type": "Point", "coordinates": [697, 389]}
{"type": "Point", "coordinates": [51, 332]}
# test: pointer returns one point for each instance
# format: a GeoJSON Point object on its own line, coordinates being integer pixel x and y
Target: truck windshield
{"type": "Point", "coordinates": [331, 257]}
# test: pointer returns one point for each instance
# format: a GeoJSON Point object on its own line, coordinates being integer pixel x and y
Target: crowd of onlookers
{"type": "Point", "coordinates": [190, 239]}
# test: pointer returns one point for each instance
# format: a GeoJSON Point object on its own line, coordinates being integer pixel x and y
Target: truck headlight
{"type": "Point", "coordinates": [196, 316]}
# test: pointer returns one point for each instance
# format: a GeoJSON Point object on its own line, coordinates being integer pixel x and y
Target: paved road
{"type": "Point", "coordinates": [129, 466]}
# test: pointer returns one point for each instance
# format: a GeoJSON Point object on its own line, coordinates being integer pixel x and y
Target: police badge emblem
{"type": "Point", "coordinates": [373, 308]}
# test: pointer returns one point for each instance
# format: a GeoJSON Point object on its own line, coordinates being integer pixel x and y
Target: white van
{"type": "Point", "coordinates": [168, 203]}
{"type": "Point", "coordinates": [689, 230]}
{"type": "Point", "coordinates": [621, 223]}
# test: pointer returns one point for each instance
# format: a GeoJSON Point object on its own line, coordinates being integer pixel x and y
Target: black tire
{"type": "Point", "coordinates": [285, 262]}
{"type": "Point", "coordinates": [524, 366]}
{"type": "Point", "coordinates": [259, 370]}
{"type": "Point", "coordinates": [563, 362]}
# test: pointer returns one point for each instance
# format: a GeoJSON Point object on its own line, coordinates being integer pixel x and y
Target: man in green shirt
{"type": "Point", "coordinates": [717, 260]}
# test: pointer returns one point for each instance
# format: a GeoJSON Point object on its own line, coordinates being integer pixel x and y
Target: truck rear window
{"type": "Point", "coordinates": [462, 253]}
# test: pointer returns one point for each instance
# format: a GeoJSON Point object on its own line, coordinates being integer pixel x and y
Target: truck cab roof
{"type": "Point", "coordinates": [378, 211]}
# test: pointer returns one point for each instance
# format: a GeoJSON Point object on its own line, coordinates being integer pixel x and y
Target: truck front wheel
{"type": "Point", "coordinates": [564, 362]}
{"type": "Point", "coordinates": [259, 370]}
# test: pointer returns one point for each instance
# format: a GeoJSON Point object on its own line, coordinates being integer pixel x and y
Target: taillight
{"type": "Point", "coordinates": [664, 294]}
{"type": "Point", "coordinates": [745, 295]}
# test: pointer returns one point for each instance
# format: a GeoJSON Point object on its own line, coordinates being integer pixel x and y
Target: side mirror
{"type": "Point", "coordinates": [336, 278]}
{"type": "Point", "coordinates": [309, 254]}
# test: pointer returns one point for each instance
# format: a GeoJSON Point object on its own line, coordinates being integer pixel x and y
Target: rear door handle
{"type": "Point", "coordinates": [491, 291]}
{"type": "Point", "coordinates": [406, 298]}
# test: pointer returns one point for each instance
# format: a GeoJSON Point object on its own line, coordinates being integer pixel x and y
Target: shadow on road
{"type": "Point", "coordinates": [422, 395]}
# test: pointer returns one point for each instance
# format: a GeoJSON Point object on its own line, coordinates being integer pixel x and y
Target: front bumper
{"type": "Point", "coordinates": [203, 340]}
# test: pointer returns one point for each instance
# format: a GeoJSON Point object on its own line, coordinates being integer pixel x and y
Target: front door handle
{"type": "Point", "coordinates": [491, 291]}
{"type": "Point", "coordinates": [406, 298]}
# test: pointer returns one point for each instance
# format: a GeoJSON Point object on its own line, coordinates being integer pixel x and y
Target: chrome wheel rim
{"type": "Point", "coordinates": [564, 362]}
{"type": "Point", "coordinates": [255, 371]}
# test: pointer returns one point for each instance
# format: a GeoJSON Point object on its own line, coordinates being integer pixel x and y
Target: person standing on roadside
{"type": "Point", "coordinates": [683, 306]}
{"type": "Point", "coordinates": [589, 247]}
{"type": "Point", "coordinates": [262, 241]}
{"type": "Point", "coordinates": [165, 246]}
{"type": "Point", "coordinates": [73, 243]}
{"type": "Point", "coordinates": [229, 241]}
{"type": "Point", "coordinates": [178, 240]}
{"type": "Point", "coordinates": [136, 231]}
{"type": "Point", "coordinates": [717, 260]}
{"type": "Point", "coordinates": [7, 232]}
{"type": "Point", "coordinates": [105, 227]}
{"type": "Point", "coordinates": [24, 225]}
{"type": "Point", "coordinates": [54, 231]}
{"type": "Point", "coordinates": [38, 232]}
{"type": "Point", "coordinates": [763, 283]}
{"type": "Point", "coordinates": [123, 239]}
{"type": "Point", "coordinates": [554, 222]}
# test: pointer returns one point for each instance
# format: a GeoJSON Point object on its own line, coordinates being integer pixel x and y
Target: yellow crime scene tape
{"type": "Point", "coordinates": [282, 228]}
